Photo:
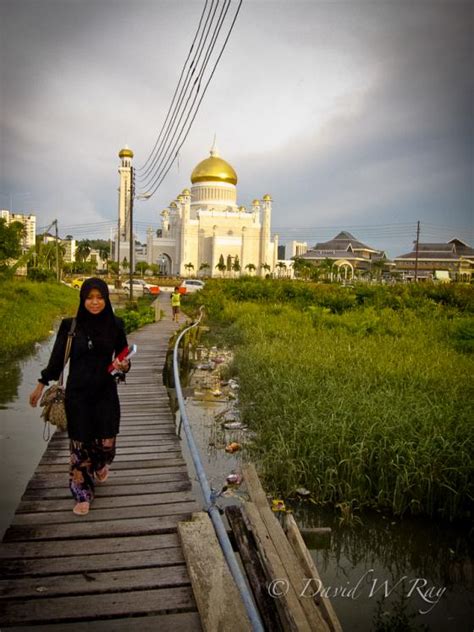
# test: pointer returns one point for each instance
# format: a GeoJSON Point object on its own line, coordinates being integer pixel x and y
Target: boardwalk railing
{"type": "Point", "coordinates": [210, 496]}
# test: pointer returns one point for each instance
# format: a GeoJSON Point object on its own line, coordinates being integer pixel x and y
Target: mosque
{"type": "Point", "coordinates": [204, 228]}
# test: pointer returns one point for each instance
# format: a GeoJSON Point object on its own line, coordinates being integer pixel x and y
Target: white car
{"type": "Point", "coordinates": [141, 287]}
{"type": "Point", "coordinates": [191, 285]}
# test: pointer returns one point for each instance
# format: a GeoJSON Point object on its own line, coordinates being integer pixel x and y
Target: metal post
{"type": "Point", "coordinates": [416, 249]}
{"type": "Point", "coordinates": [130, 218]}
{"type": "Point", "coordinates": [58, 276]}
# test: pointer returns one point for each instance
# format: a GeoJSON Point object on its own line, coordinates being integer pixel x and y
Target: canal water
{"type": "Point", "coordinates": [21, 428]}
{"type": "Point", "coordinates": [426, 569]}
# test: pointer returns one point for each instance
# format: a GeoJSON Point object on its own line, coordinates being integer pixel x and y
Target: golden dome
{"type": "Point", "coordinates": [267, 198]}
{"type": "Point", "coordinates": [256, 203]}
{"type": "Point", "coordinates": [173, 205]}
{"type": "Point", "coordinates": [214, 169]}
{"type": "Point", "coordinates": [186, 192]}
{"type": "Point", "coordinates": [125, 153]}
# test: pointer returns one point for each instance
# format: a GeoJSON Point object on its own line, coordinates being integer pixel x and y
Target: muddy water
{"type": "Point", "coordinates": [425, 569]}
{"type": "Point", "coordinates": [21, 428]}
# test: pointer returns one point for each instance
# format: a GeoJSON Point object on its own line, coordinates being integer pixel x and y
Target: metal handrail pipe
{"type": "Point", "coordinates": [209, 498]}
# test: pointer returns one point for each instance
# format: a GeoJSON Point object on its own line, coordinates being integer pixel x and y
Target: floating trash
{"type": "Point", "coordinates": [303, 492]}
{"type": "Point", "coordinates": [208, 366]}
{"type": "Point", "coordinates": [233, 447]}
{"type": "Point", "coordinates": [217, 392]}
{"type": "Point", "coordinates": [234, 479]}
{"type": "Point", "coordinates": [233, 425]}
{"type": "Point", "coordinates": [233, 384]}
{"type": "Point", "coordinates": [278, 505]}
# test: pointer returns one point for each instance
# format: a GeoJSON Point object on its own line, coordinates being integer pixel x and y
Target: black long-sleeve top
{"type": "Point", "coordinates": [92, 404]}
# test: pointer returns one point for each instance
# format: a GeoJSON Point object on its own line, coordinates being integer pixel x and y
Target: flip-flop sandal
{"type": "Point", "coordinates": [102, 475]}
{"type": "Point", "coordinates": [81, 509]}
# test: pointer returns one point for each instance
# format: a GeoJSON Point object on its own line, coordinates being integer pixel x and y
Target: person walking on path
{"type": "Point", "coordinates": [176, 303]}
{"type": "Point", "coordinates": [92, 404]}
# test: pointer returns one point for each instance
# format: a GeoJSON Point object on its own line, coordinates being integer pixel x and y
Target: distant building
{"type": "Point", "coordinates": [456, 258]}
{"type": "Point", "coordinates": [204, 227]}
{"type": "Point", "coordinates": [29, 221]}
{"type": "Point", "coordinates": [281, 252]}
{"type": "Point", "coordinates": [348, 254]}
{"type": "Point", "coordinates": [297, 248]}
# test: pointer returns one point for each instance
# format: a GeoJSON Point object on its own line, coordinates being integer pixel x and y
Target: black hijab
{"type": "Point", "coordinates": [101, 328]}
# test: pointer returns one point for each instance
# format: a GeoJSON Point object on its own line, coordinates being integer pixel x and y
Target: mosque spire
{"type": "Point", "coordinates": [214, 151]}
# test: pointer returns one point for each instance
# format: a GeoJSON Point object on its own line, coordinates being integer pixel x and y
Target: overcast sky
{"type": "Point", "coordinates": [352, 115]}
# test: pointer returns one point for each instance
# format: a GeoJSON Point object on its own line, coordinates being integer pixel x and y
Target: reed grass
{"type": "Point", "coordinates": [367, 404]}
{"type": "Point", "coordinates": [27, 312]}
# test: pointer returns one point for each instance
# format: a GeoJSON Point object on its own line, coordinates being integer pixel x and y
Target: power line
{"type": "Point", "coordinates": [176, 89]}
{"type": "Point", "coordinates": [186, 111]}
{"type": "Point", "coordinates": [178, 144]}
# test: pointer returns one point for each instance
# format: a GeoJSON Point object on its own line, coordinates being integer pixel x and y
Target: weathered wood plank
{"type": "Point", "coordinates": [93, 563]}
{"type": "Point", "coordinates": [293, 569]}
{"type": "Point", "coordinates": [299, 547]}
{"type": "Point", "coordinates": [219, 602]}
{"type": "Point", "coordinates": [254, 569]}
{"type": "Point", "coordinates": [181, 622]}
{"type": "Point", "coordinates": [111, 490]}
{"type": "Point", "coordinates": [106, 502]}
{"type": "Point", "coordinates": [62, 548]}
{"type": "Point", "coordinates": [109, 528]}
{"type": "Point", "coordinates": [96, 515]}
{"type": "Point", "coordinates": [94, 582]}
{"type": "Point", "coordinates": [116, 477]}
{"type": "Point", "coordinates": [121, 465]}
{"type": "Point", "coordinates": [165, 600]}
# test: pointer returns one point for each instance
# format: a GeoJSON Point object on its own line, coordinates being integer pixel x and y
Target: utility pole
{"type": "Point", "coordinates": [132, 194]}
{"type": "Point", "coordinates": [417, 244]}
{"type": "Point", "coordinates": [58, 276]}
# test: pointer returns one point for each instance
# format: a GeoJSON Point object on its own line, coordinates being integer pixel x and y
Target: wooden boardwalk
{"type": "Point", "coordinates": [121, 567]}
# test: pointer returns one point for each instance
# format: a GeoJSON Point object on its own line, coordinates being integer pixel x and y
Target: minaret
{"type": "Point", "coordinates": [125, 173]}
{"type": "Point", "coordinates": [265, 233]}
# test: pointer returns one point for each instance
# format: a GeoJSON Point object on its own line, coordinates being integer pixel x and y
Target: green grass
{"type": "Point", "coordinates": [27, 312]}
{"type": "Point", "coordinates": [364, 400]}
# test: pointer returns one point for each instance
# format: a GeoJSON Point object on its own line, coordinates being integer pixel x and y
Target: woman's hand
{"type": "Point", "coordinates": [123, 366]}
{"type": "Point", "coordinates": [36, 394]}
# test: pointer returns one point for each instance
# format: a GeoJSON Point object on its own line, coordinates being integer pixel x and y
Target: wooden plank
{"type": "Point", "coordinates": [93, 563]}
{"type": "Point", "coordinates": [94, 582]}
{"type": "Point", "coordinates": [218, 600]}
{"type": "Point", "coordinates": [111, 490]}
{"type": "Point", "coordinates": [78, 608]}
{"type": "Point", "coordinates": [116, 477]}
{"type": "Point", "coordinates": [254, 569]}
{"type": "Point", "coordinates": [299, 547]}
{"type": "Point", "coordinates": [105, 502]}
{"type": "Point", "coordinates": [289, 607]}
{"type": "Point", "coordinates": [293, 568]}
{"type": "Point", "coordinates": [181, 622]}
{"type": "Point", "coordinates": [62, 548]}
{"type": "Point", "coordinates": [108, 528]}
{"type": "Point", "coordinates": [121, 465]}
{"type": "Point", "coordinates": [96, 515]}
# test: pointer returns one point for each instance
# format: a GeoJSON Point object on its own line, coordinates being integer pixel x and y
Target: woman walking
{"type": "Point", "coordinates": [92, 404]}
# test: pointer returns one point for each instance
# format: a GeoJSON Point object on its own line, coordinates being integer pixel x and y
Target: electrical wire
{"type": "Point", "coordinates": [166, 142]}
{"type": "Point", "coordinates": [186, 111]}
{"type": "Point", "coordinates": [157, 185]}
{"type": "Point", "coordinates": [177, 86]}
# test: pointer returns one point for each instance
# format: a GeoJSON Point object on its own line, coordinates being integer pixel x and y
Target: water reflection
{"type": "Point", "coordinates": [10, 377]}
{"type": "Point", "coordinates": [405, 559]}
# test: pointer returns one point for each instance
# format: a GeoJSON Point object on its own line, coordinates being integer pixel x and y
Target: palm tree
{"type": "Point", "coordinates": [281, 265]}
{"type": "Point", "coordinates": [250, 267]}
{"type": "Point", "coordinates": [189, 266]}
{"type": "Point", "coordinates": [236, 267]}
{"type": "Point", "coordinates": [83, 250]}
{"type": "Point", "coordinates": [326, 267]}
{"type": "Point", "coordinates": [221, 266]}
{"type": "Point", "coordinates": [266, 267]}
